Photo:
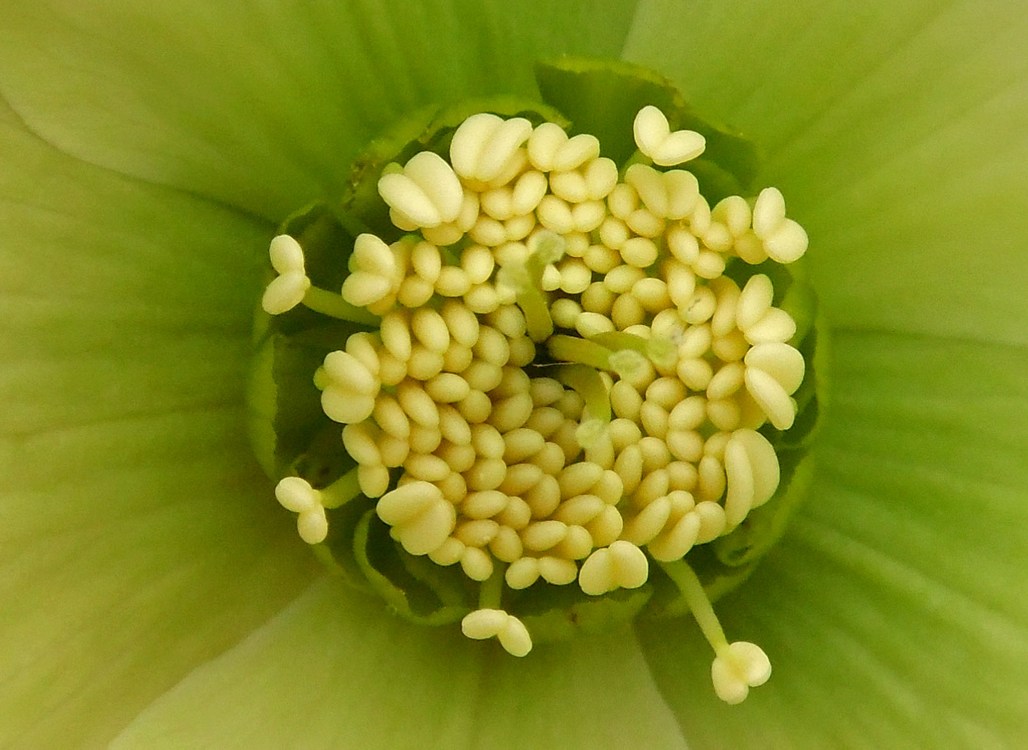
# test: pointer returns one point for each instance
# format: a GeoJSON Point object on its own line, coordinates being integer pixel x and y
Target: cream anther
{"type": "Point", "coordinates": [569, 186]}
{"type": "Point", "coordinates": [763, 463]}
{"type": "Point", "coordinates": [683, 192]}
{"type": "Point", "coordinates": [557, 570]}
{"type": "Point", "coordinates": [771, 397]}
{"type": "Point", "coordinates": [754, 301]}
{"type": "Point", "coordinates": [543, 145]}
{"type": "Point", "coordinates": [373, 257]}
{"type": "Point", "coordinates": [737, 667]}
{"type": "Point", "coordinates": [499, 203]}
{"type": "Point", "coordinates": [476, 564]}
{"type": "Point", "coordinates": [677, 538]}
{"type": "Point", "coordinates": [361, 442]}
{"type": "Point", "coordinates": [495, 623]}
{"type": "Point", "coordinates": [734, 213]}
{"type": "Point", "coordinates": [775, 326]}
{"type": "Point", "coordinates": [348, 389]}
{"type": "Point", "coordinates": [528, 191]}
{"type": "Point", "coordinates": [349, 373]}
{"type": "Point", "coordinates": [699, 219]}
{"type": "Point", "coordinates": [286, 290]}
{"type": "Point", "coordinates": [296, 494]}
{"type": "Point", "coordinates": [469, 140]}
{"type": "Point", "coordinates": [712, 521]}
{"type": "Point", "coordinates": [575, 152]}
{"type": "Point", "coordinates": [654, 138]}
{"type": "Point", "coordinates": [640, 252]}
{"type": "Point", "coordinates": [438, 182]}
{"type": "Point", "coordinates": [363, 289]}
{"type": "Point", "coordinates": [484, 144]}
{"type": "Point", "coordinates": [783, 362]}
{"type": "Point", "coordinates": [740, 483]}
{"type": "Point", "coordinates": [788, 243]}
{"type": "Point", "coordinates": [784, 240]}
{"type": "Point", "coordinates": [717, 238]}
{"type": "Point", "coordinates": [649, 184]}
{"type": "Point", "coordinates": [768, 212]}
{"type": "Point", "coordinates": [644, 527]}
{"type": "Point", "coordinates": [422, 519]}
{"type": "Point", "coordinates": [621, 565]}
{"type": "Point", "coordinates": [426, 191]}
{"type": "Point", "coordinates": [522, 573]}
{"type": "Point", "coordinates": [555, 214]}
{"type": "Point", "coordinates": [579, 510]}
{"type": "Point", "coordinates": [543, 535]}
{"type": "Point", "coordinates": [601, 175]}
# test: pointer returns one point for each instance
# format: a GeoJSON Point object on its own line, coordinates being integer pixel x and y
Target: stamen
{"type": "Point", "coordinates": [292, 287]}
{"type": "Point", "coordinates": [496, 623]}
{"type": "Point", "coordinates": [784, 240]}
{"type": "Point", "coordinates": [335, 306]}
{"type": "Point", "coordinates": [425, 178]}
{"type": "Point", "coordinates": [654, 138]}
{"type": "Point", "coordinates": [737, 666]}
{"type": "Point", "coordinates": [490, 621]}
{"type": "Point", "coordinates": [421, 517]}
{"type": "Point", "coordinates": [287, 290]}
{"type": "Point", "coordinates": [297, 495]}
{"type": "Point", "coordinates": [513, 470]}
{"type": "Point", "coordinates": [621, 565]}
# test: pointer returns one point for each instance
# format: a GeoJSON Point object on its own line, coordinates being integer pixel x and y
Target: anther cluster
{"type": "Point", "coordinates": [565, 386]}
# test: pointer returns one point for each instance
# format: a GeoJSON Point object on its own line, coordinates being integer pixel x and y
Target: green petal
{"type": "Point", "coordinates": [135, 541]}
{"type": "Point", "coordinates": [264, 107]}
{"type": "Point", "coordinates": [336, 670]}
{"type": "Point", "coordinates": [895, 610]}
{"type": "Point", "coordinates": [897, 132]}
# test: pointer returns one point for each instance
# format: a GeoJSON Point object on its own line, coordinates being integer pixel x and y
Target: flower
{"type": "Point", "coordinates": [152, 594]}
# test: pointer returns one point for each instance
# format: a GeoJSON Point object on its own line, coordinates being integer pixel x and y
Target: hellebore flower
{"type": "Point", "coordinates": [152, 595]}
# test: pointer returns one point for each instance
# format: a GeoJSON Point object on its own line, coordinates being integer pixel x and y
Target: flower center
{"type": "Point", "coordinates": [560, 374]}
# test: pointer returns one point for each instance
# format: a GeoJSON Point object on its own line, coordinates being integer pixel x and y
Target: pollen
{"type": "Point", "coordinates": [561, 385]}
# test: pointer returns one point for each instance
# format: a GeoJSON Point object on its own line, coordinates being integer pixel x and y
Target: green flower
{"type": "Point", "coordinates": [153, 593]}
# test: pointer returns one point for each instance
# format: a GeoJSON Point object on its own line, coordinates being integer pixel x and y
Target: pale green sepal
{"type": "Point", "coordinates": [897, 133]}
{"type": "Point", "coordinates": [138, 537]}
{"type": "Point", "coordinates": [335, 670]}
{"type": "Point", "coordinates": [264, 108]}
{"type": "Point", "coordinates": [899, 594]}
